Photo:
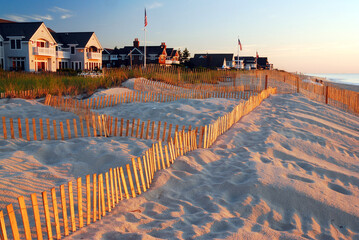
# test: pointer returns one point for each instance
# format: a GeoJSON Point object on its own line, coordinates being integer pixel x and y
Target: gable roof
{"type": "Point", "coordinates": [24, 29]}
{"type": "Point", "coordinates": [247, 59]}
{"type": "Point", "coordinates": [78, 38]}
{"type": "Point", "coordinates": [107, 51]}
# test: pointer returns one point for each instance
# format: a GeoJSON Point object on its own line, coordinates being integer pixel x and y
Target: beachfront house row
{"type": "Point", "coordinates": [134, 55]}
{"type": "Point", "coordinates": [31, 46]}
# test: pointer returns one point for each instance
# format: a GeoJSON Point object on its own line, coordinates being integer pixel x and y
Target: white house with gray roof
{"type": "Point", "coordinates": [31, 46]}
{"type": "Point", "coordinates": [84, 48]}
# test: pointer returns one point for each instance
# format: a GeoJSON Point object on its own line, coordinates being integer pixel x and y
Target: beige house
{"type": "Point", "coordinates": [31, 46]}
{"type": "Point", "coordinates": [28, 46]}
{"type": "Point", "coordinates": [84, 49]}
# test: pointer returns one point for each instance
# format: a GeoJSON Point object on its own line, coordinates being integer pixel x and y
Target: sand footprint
{"type": "Point", "coordinates": [339, 189]}
{"type": "Point", "coordinates": [303, 179]}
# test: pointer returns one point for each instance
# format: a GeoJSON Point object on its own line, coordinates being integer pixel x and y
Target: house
{"type": "Point", "coordinates": [78, 50]}
{"type": "Point", "coordinates": [134, 55]}
{"type": "Point", "coordinates": [106, 56]}
{"type": "Point", "coordinates": [262, 63]}
{"type": "Point", "coordinates": [31, 46]}
{"type": "Point", "coordinates": [28, 46]}
{"type": "Point", "coordinates": [213, 60]}
{"type": "Point", "coordinates": [247, 63]}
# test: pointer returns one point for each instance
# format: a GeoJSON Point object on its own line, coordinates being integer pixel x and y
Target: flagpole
{"type": "Point", "coordinates": [144, 62]}
{"type": "Point", "coordinates": [238, 55]}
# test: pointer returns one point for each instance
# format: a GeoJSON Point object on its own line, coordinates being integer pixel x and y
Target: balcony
{"type": "Point", "coordinates": [43, 51]}
{"type": "Point", "coordinates": [62, 54]}
{"type": "Point", "coordinates": [94, 55]}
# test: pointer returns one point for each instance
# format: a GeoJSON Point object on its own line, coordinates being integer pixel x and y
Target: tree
{"type": "Point", "coordinates": [185, 55]}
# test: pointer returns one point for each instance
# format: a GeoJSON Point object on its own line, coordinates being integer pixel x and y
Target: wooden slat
{"type": "Point", "coordinates": [81, 126]}
{"type": "Point", "coordinates": [35, 208]}
{"type": "Point", "coordinates": [27, 129]}
{"type": "Point", "coordinates": [103, 207]}
{"type": "Point", "coordinates": [124, 183]}
{"type": "Point", "coordinates": [108, 192]}
{"type": "Point", "coordinates": [12, 128]}
{"type": "Point", "coordinates": [116, 185]}
{"type": "Point", "coordinates": [47, 215]}
{"type": "Point", "coordinates": [88, 200]}
{"type": "Point", "coordinates": [13, 223]}
{"type": "Point", "coordinates": [146, 169]}
{"type": "Point", "coordinates": [3, 233]}
{"type": "Point", "coordinates": [64, 210]}
{"type": "Point", "coordinates": [19, 127]}
{"type": "Point", "coordinates": [34, 129]}
{"type": "Point", "coordinates": [167, 158]}
{"type": "Point", "coordinates": [161, 154]}
{"type": "Point", "coordinates": [72, 207]}
{"type": "Point", "coordinates": [56, 213]}
{"type": "Point", "coordinates": [79, 202]}
{"type": "Point", "coordinates": [94, 197]}
{"type": "Point", "coordinates": [141, 174]}
{"type": "Point", "coordinates": [75, 127]}
{"type": "Point", "coordinates": [55, 129]}
{"type": "Point", "coordinates": [112, 188]}
{"type": "Point", "coordinates": [25, 218]}
{"type": "Point", "coordinates": [133, 127]}
{"type": "Point", "coordinates": [158, 130]}
{"type": "Point", "coordinates": [130, 180]}
{"type": "Point", "coordinates": [164, 132]}
{"type": "Point", "coordinates": [136, 176]}
{"type": "Point", "coordinates": [119, 183]}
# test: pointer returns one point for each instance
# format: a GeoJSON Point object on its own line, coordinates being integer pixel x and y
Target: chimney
{"type": "Point", "coordinates": [136, 43]}
{"type": "Point", "coordinates": [163, 45]}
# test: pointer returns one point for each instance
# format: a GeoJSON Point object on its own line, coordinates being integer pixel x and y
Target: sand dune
{"type": "Point", "coordinates": [288, 170]}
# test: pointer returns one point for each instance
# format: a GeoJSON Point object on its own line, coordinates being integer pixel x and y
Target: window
{"type": "Point", "coordinates": [18, 64]}
{"type": "Point", "coordinates": [0, 44]}
{"type": "Point", "coordinates": [15, 44]}
{"type": "Point", "coordinates": [72, 50]}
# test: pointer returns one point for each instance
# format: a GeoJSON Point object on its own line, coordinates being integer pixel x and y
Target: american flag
{"type": "Point", "coordinates": [145, 18]}
{"type": "Point", "coordinates": [240, 45]}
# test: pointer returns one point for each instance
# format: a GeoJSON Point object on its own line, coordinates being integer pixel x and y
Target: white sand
{"type": "Point", "coordinates": [289, 170]}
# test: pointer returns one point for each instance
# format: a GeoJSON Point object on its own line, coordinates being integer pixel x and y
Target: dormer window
{"type": "Point", "coordinates": [15, 44]}
{"type": "Point", "coordinates": [72, 50]}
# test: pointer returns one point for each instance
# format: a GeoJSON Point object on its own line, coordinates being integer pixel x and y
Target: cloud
{"type": "Point", "coordinates": [24, 18]}
{"type": "Point", "coordinates": [16, 18]}
{"type": "Point", "coordinates": [64, 13]}
{"type": "Point", "coordinates": [155, 5]}
{"type": "Point", "coordinates": [58, 9]}
{"type": "Point", "coordinates": [66, 16]}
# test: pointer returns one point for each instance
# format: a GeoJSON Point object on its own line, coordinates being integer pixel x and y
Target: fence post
{"type": "Point", "coordinates": [266, 83]}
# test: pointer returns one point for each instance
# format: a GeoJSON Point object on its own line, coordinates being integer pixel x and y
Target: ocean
{"type": "Point", "coordinates": [346, 78]}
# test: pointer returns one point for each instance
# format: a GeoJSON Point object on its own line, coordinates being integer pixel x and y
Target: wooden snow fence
{"type": "Point", "coordinates": [69, 207]}
{"type": "Point", "coordinates": [198, 91]}
{"type": "Point", "coordinates": [33, 93]}
{"type": "Point", "coordinates": [94, 125]}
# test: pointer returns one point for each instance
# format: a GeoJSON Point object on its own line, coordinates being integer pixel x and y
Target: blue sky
{"type": "Point", "coordinates": [310, 36]}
